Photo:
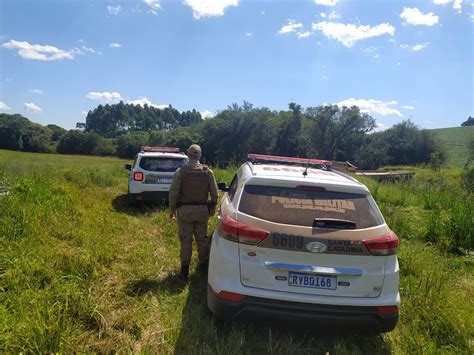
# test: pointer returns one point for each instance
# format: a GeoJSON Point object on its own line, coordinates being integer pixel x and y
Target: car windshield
{"type": "Point", "coordinates": [162, 164]}
{"type": "Point", "coordinates": [310, 207]}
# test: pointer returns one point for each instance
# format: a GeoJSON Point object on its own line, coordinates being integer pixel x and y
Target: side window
{"type": "Point", "coordinates": [233, 187]}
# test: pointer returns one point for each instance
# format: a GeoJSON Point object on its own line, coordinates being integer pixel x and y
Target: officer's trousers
{"type": "Point", "coordinates": [192, 220]}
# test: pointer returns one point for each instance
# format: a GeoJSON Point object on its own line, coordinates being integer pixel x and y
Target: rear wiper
{"type": "Point", "coordinates": [333, 223]}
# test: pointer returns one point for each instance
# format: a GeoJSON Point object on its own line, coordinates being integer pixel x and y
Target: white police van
{"type": "Point", "coordinates": [152, 172]}
{"type": "Point", "coordinates": [296, 240]}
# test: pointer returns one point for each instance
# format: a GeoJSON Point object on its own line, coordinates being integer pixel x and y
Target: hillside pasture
{"type": "Point", "coordinates": [454, 142]}
{"type": "Point", "coordinates": [80, 270]}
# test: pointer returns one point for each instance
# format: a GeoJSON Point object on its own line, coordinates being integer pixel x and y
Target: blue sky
{"type": "Point", "coordinates": [395, 59]}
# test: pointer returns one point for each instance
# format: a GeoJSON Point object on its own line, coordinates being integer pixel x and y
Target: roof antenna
{"type": "Point", "coordinates": [305, 172]}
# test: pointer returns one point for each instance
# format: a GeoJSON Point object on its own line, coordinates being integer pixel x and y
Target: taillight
{"type": "Point", "coordinates": [385, 245]}
{"type": "Point", "coordinates": [387, 309]}
{"type": "Point", "coordinates": [239, 232]}
{"type": "Point", "coordinates": [138, 176]}
{"type": "Point", "coordinates": [230, 296]}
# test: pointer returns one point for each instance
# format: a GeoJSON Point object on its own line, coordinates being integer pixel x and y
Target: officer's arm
{"type": "Point", "coordinates": [213, 187]}
{"type": "Point", "coordinates": [174, 191]}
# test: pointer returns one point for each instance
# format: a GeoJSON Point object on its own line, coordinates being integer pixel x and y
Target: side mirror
{"type": "Point", "coordinates": [127, 166]}
{"type": "Point", "coordinates": [222, 186]}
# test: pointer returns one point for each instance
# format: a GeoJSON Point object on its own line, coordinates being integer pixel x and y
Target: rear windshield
{"type": "Point", "coordinates": [301, 207]}
{"type": "Point", "coordinates": [162, 164]}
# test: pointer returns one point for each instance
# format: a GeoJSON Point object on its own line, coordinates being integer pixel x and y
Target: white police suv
{"type": "Point", "coordinates": [296, 240]}
{"type": "Point", "coordinates": [152, 172]}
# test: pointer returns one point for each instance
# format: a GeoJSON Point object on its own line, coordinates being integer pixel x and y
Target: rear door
{"type": "Point", "coordinates": [315, 242]}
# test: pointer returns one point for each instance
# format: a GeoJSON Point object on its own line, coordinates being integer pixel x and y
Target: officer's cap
{"type": "Point", "coordinates": [194, 151]}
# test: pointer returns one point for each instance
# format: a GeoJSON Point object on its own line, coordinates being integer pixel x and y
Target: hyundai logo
{"type": "Point", "coordinates": [316, 247]}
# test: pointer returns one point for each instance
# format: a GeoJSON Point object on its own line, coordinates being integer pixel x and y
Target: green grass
{"type": "Point", "coordinates": [455, 142]}
{"type": "Point", "coordinates": [82, 271]}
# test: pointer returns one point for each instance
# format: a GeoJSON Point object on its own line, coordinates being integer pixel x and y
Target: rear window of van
{"type": "Point", "coordinates": [162, 164]}
{"type": "Point", "coordinates": [301, 207]}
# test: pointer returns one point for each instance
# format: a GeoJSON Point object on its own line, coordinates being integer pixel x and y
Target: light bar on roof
{"type": "Point", "coordinates": [146, 148]}
{"type": "Point", "coordinates": [279, 159]}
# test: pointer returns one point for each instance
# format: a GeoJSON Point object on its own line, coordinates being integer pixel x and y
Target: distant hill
{"type": "Point", "coordinates": [455, 141]}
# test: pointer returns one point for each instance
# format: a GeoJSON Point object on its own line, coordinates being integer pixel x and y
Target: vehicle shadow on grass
{"type": "Point", "coordinates": [169, 285]}
{"type": "Point", "coordinates": [201, 333]}
{"type": "Point", "coordinates": [122, 204]}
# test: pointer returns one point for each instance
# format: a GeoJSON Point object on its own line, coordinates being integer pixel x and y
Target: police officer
{"type": "Point", "coordinates": [188, 197]}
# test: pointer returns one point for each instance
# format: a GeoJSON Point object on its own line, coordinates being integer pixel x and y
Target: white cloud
{"type": "Point", "coordinates": [413, 16]}
{"type": "Point", "coordinates": [291, 26]}
{"type": "Point", "coordinates": [114, 10]}
{"type": "Point", "coordinates": [86, 49]}
{"type": "Point", "coordinates": [142, 101]}
{"type": "Point", "coordinates": [29, 106]}
{"type": "Point", "coordinates": [334, 15]}
{"type": "Point", "coordinates": [115, 45]}
{"type": "Point", "coordinates": [303, 34]}
{"type": "Point", "coordinates": [348, 34]}
{"type": "Point", "coordinates": [84, 113]}
{"type": "Point", "coordinates": [154, 4]}
{"type": "Point", "coordinates": [207, 114]}
{"type": "Point", "coordinates": [4, 106]}
{"type": "Point", "coordinates": [409, 107]}
{"type": "Point", "coordinates": [419, 47]}
{"type": "Point", "coordinates": [379, 127]}
{"type": "Point", "coordinates": [326, 2]}
{"type": "Point", "coordinates": [370, 49]}
{"type": "Point", "coordinates": [36, 91]}
{"type": "Point", "coordinates": [457, 4]}
{"type": "Point", "coordinates": [105, 96]}
{"type": "Point", "coordinates": [209, 8]}
{"type": "Point", "coordinates": [38, 52]}
{"type": "Point", "coordinates": [415, 48]}
{"type": "Point", "coordinates": [372, 106]}
{"type": "Point", "coordinates": [249, 34]}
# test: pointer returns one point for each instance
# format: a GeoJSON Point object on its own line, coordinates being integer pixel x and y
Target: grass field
{"type": "Point", "coordinates": [455, 142]}
{"type": "Point", "coordinates": [82, 271]}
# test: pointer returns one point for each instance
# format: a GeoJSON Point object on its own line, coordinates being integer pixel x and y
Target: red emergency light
{"type": "Point", "coordinates": [293, 160]}
{"type": "Point", "coordinates": [146, 148]}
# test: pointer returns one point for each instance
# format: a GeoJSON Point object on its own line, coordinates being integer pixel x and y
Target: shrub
{"type": "Point", "coordinates": [129, 144]}
{"type": "Point", "coordinates": [467, 179]}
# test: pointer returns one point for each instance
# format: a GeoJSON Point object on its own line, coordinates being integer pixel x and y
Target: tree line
{"type": "Point", "coordinates": [325, 132]}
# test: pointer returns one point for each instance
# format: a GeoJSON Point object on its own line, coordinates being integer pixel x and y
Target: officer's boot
{"type": "Point", "coordinates": [184, 273]}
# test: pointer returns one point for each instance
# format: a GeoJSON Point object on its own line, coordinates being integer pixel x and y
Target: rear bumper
{"type": "Point", "coordinates": [149, 196]}
{"type": "Point", "coordinates": [317, 314]}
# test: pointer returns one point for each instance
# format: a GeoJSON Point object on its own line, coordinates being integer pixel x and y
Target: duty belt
{"type": "Point", "coordinates": [210, 204]}
{"type": "Point", "coordinates": [180, 203]}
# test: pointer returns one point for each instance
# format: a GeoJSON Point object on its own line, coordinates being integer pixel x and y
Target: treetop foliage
{"type": "Point", "coordinates": [325, 132]}
{"type": "Point", "coordinates": [468, 122]}
{"type": "Point", "coordinates": [19, 133]}
{"type": "Point", "coordinates": [114, 120]}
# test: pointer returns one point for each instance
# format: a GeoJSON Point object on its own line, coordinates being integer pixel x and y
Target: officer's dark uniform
{"type": "Point", "coordinates": [189, 193]}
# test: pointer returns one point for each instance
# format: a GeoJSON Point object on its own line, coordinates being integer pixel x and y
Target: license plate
{"type": "Point", "coordinates": [299, 279]}
{"type": "Point", "coordinates": [158, 180]}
